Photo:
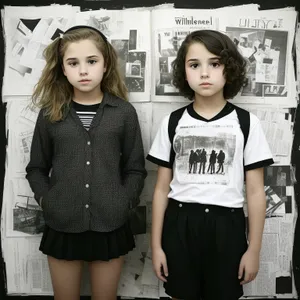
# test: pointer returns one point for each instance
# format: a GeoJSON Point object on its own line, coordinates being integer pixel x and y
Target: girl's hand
{"type": "Point", "coordinates": [249, 266]}
{"type": "Point", "coordinates": [159, 262]}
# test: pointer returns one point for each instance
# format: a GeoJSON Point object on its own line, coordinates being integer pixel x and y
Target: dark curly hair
{"type": "Point", "coordinates": [220, 45]}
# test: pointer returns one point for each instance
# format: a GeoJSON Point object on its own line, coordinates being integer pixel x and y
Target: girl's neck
{"type": "Point", "coordinates": [208, 107]}
{"type": "Point", "coordinates": [93, 97]}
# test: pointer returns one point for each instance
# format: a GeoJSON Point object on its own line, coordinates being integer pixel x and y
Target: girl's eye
{"type": "Point", "coordinates": [215, 64]}
{"type": "Point", "coordinates": [194, 66]}
{"type": "Point", "coordinates": [73, 63]}
{"type": "Point", "coordinates": [92, 61]}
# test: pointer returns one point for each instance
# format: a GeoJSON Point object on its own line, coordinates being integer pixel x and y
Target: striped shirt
{"type": "Point", "coordinates": [86, 113]}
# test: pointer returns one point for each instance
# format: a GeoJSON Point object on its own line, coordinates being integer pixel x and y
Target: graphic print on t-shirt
{"type": "Point", "coordinates": [204, 154]}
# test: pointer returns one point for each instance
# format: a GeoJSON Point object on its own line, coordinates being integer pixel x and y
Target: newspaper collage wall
{"type": "Point", "coordinates": [147, 40]}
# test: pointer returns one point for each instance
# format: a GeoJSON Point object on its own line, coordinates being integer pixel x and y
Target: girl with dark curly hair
{"type": "Point", "coordinates": [199, 244]}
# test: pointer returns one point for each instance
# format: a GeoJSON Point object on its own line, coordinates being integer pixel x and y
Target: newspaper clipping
{"type": "Point", "coordinates": [265, 41]}
{"type": "Point", "coordinates": [28, 30]}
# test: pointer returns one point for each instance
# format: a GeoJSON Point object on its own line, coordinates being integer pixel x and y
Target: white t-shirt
{"type": "Point", "coordinates": [208, 166]}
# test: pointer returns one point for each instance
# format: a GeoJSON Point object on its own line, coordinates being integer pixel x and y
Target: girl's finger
{"type": "Point", "coordinates": [165, 269]}
{"type": "Point", "coordinates": [241, 271]}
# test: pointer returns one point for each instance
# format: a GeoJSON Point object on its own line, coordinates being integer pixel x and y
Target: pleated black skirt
{"type": "Point", "coordinates": [89, 245]}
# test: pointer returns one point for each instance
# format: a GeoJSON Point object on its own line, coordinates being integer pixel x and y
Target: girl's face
{"type": "Point", "coordinates": [84, 66]}
{"type": "Point", "coordinates": [203, 70]}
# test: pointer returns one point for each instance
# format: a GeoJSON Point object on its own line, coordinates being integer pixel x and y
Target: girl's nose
{"type": "Point", "coordinates": [83, 70]}
{"type": "Point", "coordinates": [203, 72]}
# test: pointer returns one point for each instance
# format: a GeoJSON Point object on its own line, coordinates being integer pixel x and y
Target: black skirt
{"type": "Point", "coordinates": [89, 245]}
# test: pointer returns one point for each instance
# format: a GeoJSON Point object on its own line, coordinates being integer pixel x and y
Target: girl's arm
{"type": "Point", "coordinates": [256, 200]}
{"type": "Point", "coordinates": [40, 164]}
{"type": "Point", "coordinates": [133, 169]}
{"type": "Point", "coordinates": [159, 204]}
{"type": "Point", "coordinates": [257, 155]}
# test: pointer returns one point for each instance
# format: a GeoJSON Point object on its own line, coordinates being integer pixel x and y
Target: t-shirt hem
{"type": "Point", "coordinates": [158, 161]}
{"type": "Point", "coordinates": [259, 164]}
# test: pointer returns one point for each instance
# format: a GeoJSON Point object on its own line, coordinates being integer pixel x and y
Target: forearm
{"type": "Point", "coordinates": [159, 205]}
{"type": "Point", "coordinates": [256, 215]}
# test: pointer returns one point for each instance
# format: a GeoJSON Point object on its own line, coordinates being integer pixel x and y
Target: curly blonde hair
{"type": "Point", "coordinates": [54, 93]}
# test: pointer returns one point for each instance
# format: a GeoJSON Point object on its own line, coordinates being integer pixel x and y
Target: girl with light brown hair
{"type": "Point", "coordinates": [87, 163]}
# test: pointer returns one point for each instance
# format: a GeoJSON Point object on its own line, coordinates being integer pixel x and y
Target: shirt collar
{"type": "Point", "coordinates": [109, 99]}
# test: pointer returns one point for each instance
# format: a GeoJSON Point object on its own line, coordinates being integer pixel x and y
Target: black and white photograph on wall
{"type": "Point", "coordinates": [278, 200]}
{"type": "Point", "coordinates": [169, 41]}
{"type": "Point", "coordinates": [28, 216]}
{"type": "Point", "coordinates": [279, 190]}
{"type": "Point", "coordinates": [131, 63]}
{"type": "Point", "coordinates": [278, 176]}
{"type": "Point", "coordinates": [265, 52]}
{"type": "Point", "coordinates": [135, 71]}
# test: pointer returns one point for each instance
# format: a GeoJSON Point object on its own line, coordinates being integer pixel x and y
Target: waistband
{"type": "Point", "coordinates": [206, 208]}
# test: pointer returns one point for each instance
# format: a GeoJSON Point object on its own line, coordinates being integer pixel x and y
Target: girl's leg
{"type": "Point", "coordinates": [105, 277]}
{"type": "Point", "coordinates": [66, 278]}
